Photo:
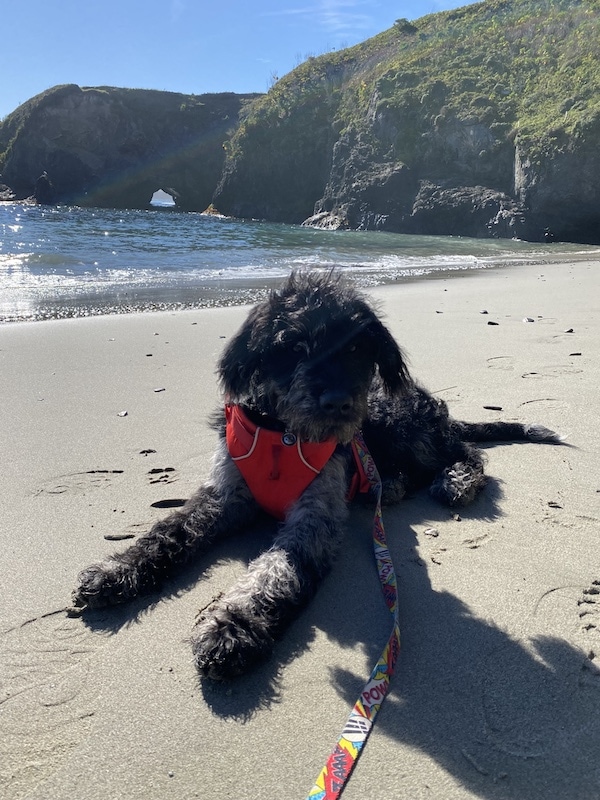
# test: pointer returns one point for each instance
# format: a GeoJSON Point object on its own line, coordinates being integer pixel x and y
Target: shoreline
{"type": "Point", "coordinates": [497, 689]}
{"type": "Point", "coordinates": [235, 292]}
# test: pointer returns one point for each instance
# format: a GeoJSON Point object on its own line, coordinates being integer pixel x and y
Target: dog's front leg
{"type": "Point", "coordinates": [239, 629]}
{"type": "Point", "coordinates": [221, 506]}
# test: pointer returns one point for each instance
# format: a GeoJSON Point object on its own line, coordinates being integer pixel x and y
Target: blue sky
{"type": "Point", "coordinates": [191, 46]}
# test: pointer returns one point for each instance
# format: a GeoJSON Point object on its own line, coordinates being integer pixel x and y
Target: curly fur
{"type": "Point", "coordinates": [314, 359]}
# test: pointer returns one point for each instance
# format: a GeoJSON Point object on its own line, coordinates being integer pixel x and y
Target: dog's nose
{"type": "Point", "coordinates": [336, 401]}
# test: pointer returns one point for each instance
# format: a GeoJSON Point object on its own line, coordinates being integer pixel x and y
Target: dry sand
{"type": "Point", "coordinates": [497, 693]}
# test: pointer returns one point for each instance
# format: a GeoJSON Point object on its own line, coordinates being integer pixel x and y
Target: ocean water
{"type": "Point", "coordinates": [67, 261]}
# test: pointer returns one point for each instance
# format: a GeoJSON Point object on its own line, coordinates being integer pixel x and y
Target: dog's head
{"type": "Point", "coordinates": [308, 356]}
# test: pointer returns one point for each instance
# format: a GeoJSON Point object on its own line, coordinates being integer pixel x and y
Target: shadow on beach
{"type": "Point", "coordinates": [507, 717]}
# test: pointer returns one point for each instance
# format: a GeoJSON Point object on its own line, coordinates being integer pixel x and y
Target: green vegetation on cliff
{"type": "Point", "coordinates": [534, 64]}
{"type": "Point", "coordinates": [474, 96]}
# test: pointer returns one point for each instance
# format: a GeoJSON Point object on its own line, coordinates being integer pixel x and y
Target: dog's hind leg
{"type": "Point", "coordinates": [239, 629]}
{"type": "Point", "coordinates": [221, 506]}
{"type": "Point", "coordinates": [500, 431]}
{"type": "Point", "coordinates": [459, 483]}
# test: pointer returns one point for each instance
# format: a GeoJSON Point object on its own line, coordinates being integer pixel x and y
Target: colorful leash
{"type": "Point", "coordinates": [341, 762]}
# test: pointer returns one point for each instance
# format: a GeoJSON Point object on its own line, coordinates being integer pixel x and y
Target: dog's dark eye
{"type": "Point", "coordinates": [300, 347]}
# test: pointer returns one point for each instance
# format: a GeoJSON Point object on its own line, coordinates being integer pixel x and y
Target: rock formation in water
{"type": "Point", "coordinates": [114, 147]}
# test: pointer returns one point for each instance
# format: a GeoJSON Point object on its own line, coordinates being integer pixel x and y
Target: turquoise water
{"type": "Point", "coordinates": [68, 261]}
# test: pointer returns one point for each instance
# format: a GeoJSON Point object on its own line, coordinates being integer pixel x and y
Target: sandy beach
{"type": "Point", "coordinates": [497, 691]}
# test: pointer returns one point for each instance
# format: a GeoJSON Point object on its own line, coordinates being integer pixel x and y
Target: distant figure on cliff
{"type": "Point", "coordinates": [549, 237]}
{"type": "Point", "coordinates": [44, 190]}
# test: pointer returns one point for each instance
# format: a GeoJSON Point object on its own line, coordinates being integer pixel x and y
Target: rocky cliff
{"type": "Point", "coordinates": [113, 147]}
{"type": "Point", "coordinates": [480, 121]}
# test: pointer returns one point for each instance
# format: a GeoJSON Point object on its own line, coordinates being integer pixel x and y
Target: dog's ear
{"type": "Point", "coordinates": [390, 359]}
{"type": "Point", "coordinates": [239, 361]}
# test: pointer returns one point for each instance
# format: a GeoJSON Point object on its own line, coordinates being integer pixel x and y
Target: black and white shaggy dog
{"type": "Point", "coordinates": [311, 364]}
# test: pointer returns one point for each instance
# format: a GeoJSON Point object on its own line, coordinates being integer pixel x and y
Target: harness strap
{"type": "Point", "coordinates": [336, 773]}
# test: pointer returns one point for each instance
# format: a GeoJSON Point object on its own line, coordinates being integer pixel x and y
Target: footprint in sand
{"type": "Point", "coordinates": [476, 542]}
{"type": "Point", "coordinates": [47, 703]}
{"type": "Point", "coordinates": [589, 611]}
{"type": "Point", "coordinates": [78, 482]}
{"type": "Point", "coordinates": [552, 371]}
{"type": "Point", "coordinates": [546, 404]}
{"type": "Point", "coordinates": [163, 475]}
{"type": "Point", "coordinates": [435, 550]}
{"type": "Point", "coordinates": [130, 532]}
{"type": "Point", "coordinates": [501, 362]}
{"type": "Point", "coordinates": [589, 618]}
{"type": "Point", "coordinates": [541, 693]}
{"type": "Point", "coordinates": [546, 320]}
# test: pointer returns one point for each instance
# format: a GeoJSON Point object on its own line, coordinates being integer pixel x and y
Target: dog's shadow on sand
{"type": "Point", "coordinates": [505, 716]}
{"type": "Point", "coordinates": [348, 607]}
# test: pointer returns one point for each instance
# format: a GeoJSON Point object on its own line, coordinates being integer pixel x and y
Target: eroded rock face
{"type": "Point", "coordinates": [366, 192]}
{"type": "Point", "coordinates": [465, 178]}
{"type": "Point", "coordinates": [114, 147]}
{"type": "Point", "coordinates": [481, 121]}
{"type": "Point", "coordinates": [562, 192]}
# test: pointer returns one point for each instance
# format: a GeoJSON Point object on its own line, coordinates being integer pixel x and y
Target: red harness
{"type": "Point", "coordinates": [277, 466]}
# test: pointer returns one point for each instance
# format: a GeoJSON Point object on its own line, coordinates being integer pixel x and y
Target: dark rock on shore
{"type": "Point", "coordinates": [6, 194]}
{"type": "Point", "coordinates": [44, 192]}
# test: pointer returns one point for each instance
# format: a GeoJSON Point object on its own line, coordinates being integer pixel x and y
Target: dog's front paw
{"type": "Point", "coordinates": [105, 584]}
{"type": "Point", "coordinates": [227, 642]}
{"type": "Point", "coordinates": [393, 490]}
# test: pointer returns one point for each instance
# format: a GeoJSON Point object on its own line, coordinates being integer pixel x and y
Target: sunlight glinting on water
{"type": "Point", "coordinates": [70, 261]}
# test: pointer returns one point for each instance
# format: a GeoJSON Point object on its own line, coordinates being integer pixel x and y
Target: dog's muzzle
{"type": "Point", "coordinates": [336, 403]}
